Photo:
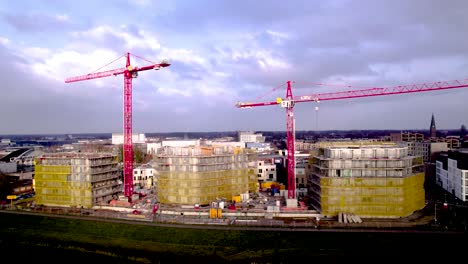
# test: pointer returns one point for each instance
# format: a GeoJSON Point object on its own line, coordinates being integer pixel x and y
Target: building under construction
{"type": "Point", "coordinates": [202, 174]}
{"type": "Point", "coordinates": [76, 179]}
{"type": "Point", "coordinates": [365, 180]}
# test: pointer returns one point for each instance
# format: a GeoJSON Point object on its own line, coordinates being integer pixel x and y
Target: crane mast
{"type": "Point", "coordinates": [127, 127]}
{"type": "Point", "coordinates": [290, 135]}
{"type": "Point", "coordinates": [290, 100]}
{"type": "Point", "coordinates": [129, 72]}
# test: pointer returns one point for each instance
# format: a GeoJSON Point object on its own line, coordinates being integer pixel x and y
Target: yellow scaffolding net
{"type": "Point", "coordinates": [55, 186]}
{"type": "Point", "coordinates": [199, 175]}
{"type": "Point", "coordinates": [203, 187]}
{"type": "Point", "coordinates": [390, 197]}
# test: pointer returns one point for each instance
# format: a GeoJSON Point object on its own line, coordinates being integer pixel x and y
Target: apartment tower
{"type": "Point", "coordinates": [76, 179]}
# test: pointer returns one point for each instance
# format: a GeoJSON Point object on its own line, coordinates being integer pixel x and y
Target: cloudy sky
{"type": "Point", "coordinates": [222, 52]}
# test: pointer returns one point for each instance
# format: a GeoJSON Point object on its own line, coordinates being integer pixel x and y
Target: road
{"type": "Point", "coordinates": [290, 228]}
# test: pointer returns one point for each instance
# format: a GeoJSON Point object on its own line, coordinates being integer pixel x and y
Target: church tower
{"type": "Point", "coordinates": [432, 130]}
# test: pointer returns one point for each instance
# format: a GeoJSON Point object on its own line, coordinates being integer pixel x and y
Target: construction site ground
{"type": "Point", "coordinates": [246, 214]}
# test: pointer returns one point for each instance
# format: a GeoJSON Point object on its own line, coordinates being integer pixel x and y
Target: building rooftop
{"type": "Point", "coordinates": [14, 154]}
{"type": "Point", "coordinates": [367, 147]}
{"type": "Point", "coordinates": [460, 156]}
{"type": "Point", "coordinates": [82, 155]}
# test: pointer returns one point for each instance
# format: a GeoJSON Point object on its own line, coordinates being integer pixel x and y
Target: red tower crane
{"type": "Point", "coordinates": [129, 73]}
{"type": "Point", "coordinates": [290, 100]}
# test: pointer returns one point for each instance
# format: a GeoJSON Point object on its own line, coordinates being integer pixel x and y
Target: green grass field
{"type": "Point", "coordinates": [33, 238]}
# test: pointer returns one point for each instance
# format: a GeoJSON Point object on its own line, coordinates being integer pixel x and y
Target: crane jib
{"type": "Point", "coordinates": [290, 101]}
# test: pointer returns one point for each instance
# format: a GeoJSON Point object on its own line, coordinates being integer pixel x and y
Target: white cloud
{"type": "Point", "coordinates": [58, 65]}
{"type": "Point", "coordinates": [37, 53]}
{"type": "Point", "coordinates": [422, 69]}
{"type": "Point", "coordinates": [181, 110]}
{"type": "Point", "coordinates": [278, 37]}
{"type": "Point", "coordinates": [141, 105]}
{"type": "Point", "coordinates": [141, 3]}
{"type": "Point", "coordinates": [170, 83]}
{"type": "Point", "coordinates": [264, 58]}
{"type": "Point", "coordinates": [63, 18]}
{"type": "Point", "coordinates": [230, 54]}
{"type": "Point", "coordinates": [184, 55]}
{"type": "Point", "coordinates": [4, 41]}
{"type": "Point", "coordinates": [222, 74]}
{"type": "Point", "coordinates": [140, 40]}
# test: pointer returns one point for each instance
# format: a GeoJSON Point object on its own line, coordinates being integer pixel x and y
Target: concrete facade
{"type": "Point", "coordinates": [8, 167]}
{"type": "Point", "coordinates": [76, 179]}
{"type": "Point", "coordinates": [249, 136]}
{"type": "Point", "coordinates": [370, 181]}
{"type": "Point", "coordinates": [118, 138]}
{"type": "Point", "coordinates": [200, 175]}
{"type": "Point", "coordinates": [266, 171]}
{"type": "Point", "coordinates": [143, 176]}
{"type": "Point", "coordinates": [427, 150]}
{"type": "Point", "coordinates": [452, 173]}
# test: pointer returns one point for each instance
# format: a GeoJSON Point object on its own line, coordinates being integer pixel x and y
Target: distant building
{"type": "Point", "coordinates": [22, 187]}
{"type": "Point", "coordinates": [118, 138]}
{"type": "Point", "coordinates": [258, 146]}
{"type": "Point", "coordinates": [369, 181]}
{"type": "Point", "coordinates": [453, 142]}
{"type": "Point", "coordinates": [304, 145]}
{"type": "Point", "coordinates": [462, 132]}
{"type": "Point", "coordinates": [452, 173]}
{"type": "Point", "coordinates": [5, 141]}
{"type": "Point", "coordinates": [427, 149]}
{"type": "Point", "coordinates": [76, 179]}
{"type": "Point", "coordinates": [407, 136]}
{"type": "Point", "coordinates": [8, 167]}
{"type": "Point", "coordinates": [27, 158]}
{"type": "Point", "coordinates": [143, 176]}
{"type": "Point", "coordinates": [266, 171]}
{"type": "Point", "coordinates": [180, 143]}
{"type": "Point", "coordinates": [227, 144]}
{"type": "Point", "coordinates": [396, 137]}
{"type": "Point", "coordinates": [432, 129]}
{"type": "Point", "coordinates": [249, 136]}
{"type": "Point", "coordinates": [152, 148]}
{"type": "Point", "coordinates": [301, 180]}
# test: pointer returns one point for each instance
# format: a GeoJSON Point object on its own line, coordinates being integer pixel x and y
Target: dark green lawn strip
{"type": "Point", "coordinates": [127, 243]}
{"type": "Point", "coordinates": [130, 240]}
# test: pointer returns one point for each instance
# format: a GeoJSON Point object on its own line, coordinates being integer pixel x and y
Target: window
{"type": "Point", "coordinates": [135, 172]}
{"type": "Point", "coordinates": [260, 170]}
{"type": "Point", "coordinates": [270, 176]}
